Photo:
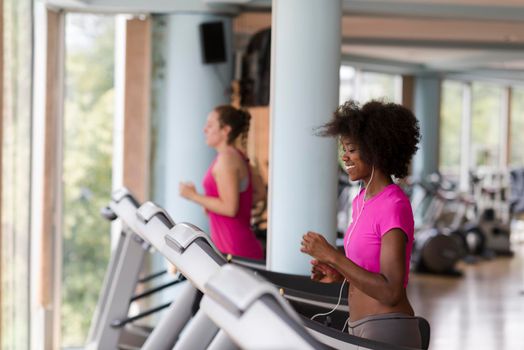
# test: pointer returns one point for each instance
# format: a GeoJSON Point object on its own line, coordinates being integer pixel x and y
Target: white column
{"type": "Point", "coordinates": [427, 110]}
{"type": "Point", "coordinates": [184, 93]}
{"type": "Point", "coordinates": [305, 63]}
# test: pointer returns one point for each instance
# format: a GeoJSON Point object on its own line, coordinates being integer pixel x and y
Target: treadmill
{"type": "Point", "coordinates": [191, 251]}
{"type": "Point", "coordinates": [185, 244]}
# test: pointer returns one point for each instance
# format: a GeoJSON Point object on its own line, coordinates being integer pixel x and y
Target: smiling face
{"type": "Point", "coordinates": [356, 168]}
{"type": "Point", "coordinates": [215, 135]}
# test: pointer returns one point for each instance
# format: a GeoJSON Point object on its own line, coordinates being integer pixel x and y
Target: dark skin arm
{"type": "Point", "coordinates": [386, 286]}
{"type": "Point", "coordinates": [322, 272]}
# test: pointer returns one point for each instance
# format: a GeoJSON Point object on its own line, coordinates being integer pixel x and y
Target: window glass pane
{"type": "Point", "coordinates": [377, 86]}
{"type": "Point", "coordinates": [88, 128]}
{"type": "Point", "coordinates": [364, 86]}
{"type": "Point", "coordinates": [347, 83]}
{"type": "Point", "coordinates": [450, 127]}
{"type": "Point", "coordinates": [517, 127]}
{"type": "Point", "coordinates": [485, 124]}
{"type": "Point", "coordinates": [16, 174]}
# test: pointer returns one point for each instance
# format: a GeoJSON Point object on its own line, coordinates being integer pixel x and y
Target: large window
{"type": "Point", "coordinates": [485, 124]}
{"type": "Point", "coordinates": [88, 128]}
{"type": "Point", "coordinates": [516, 128]}
{"type": "Point", "coordinates": [16, 174]}
{"type": "Point", "coordinates": [450, 127]}
{"type": "Point", "coordinates": [378, 86]}
{"type": "Point", "coordinates": [363, 86]}
{"type": "Point", "coordinates": [476, 137]}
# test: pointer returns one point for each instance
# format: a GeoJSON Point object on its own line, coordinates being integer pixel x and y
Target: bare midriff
{"type": "Point", "coordinates": [362, 305]}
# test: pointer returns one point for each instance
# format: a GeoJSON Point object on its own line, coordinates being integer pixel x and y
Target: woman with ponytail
{"type": "Point", "coordinates": [230, 186]}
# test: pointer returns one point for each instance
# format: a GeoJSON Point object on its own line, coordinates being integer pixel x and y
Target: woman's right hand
{"type": "Point", "coordinates": [322, 272]}
{"type": "Point", "coordinates": [187, 190]}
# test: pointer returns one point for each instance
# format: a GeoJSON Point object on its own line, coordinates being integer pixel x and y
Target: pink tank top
{"type": "Point", "coordinates": [233, 235]}
{"type": "Point", "coordinates": [381, 213]}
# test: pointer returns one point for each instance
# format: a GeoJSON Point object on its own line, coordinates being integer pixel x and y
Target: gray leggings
{"type": "Point", "coordinates": [394, 328]}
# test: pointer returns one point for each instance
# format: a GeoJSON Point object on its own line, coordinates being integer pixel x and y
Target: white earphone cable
{"type": "Point", "coordinates": [349, 235]}
{"type": "Point", "coordinates": [338, 302]}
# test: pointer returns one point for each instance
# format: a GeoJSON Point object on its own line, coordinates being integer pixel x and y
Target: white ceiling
{"type": "Point", "coordinates": [420, 43]}
{"type": "Point", "coordinates": [444, 35]}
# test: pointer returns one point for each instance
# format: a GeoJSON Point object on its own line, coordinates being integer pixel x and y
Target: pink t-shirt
{"type": "Point", "coordinates": [381, 213]}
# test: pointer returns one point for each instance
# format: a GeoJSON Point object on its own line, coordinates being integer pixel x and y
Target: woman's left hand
{"type": "Point", "coordinates": [315, 244]}
{"type": "Point", "coordinates": [187, 190]}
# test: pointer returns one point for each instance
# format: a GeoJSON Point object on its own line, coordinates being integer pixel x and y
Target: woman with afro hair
{"type": "Point", "coordinates": [378, 141]}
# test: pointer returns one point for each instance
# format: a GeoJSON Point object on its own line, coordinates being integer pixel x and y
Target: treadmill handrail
{"type": "Point", "coordinates": [121, 193]}
{"type": "Point", "coordinates": [236, 300]}
{"type": "Point", "coordinates": [223, 286]}
{"type": "Point", "coordinates": [182, 235]}
{"type": "Point", "coordinates": [299, 286]}
{"type": "Point", "coordinates": [148, 210]}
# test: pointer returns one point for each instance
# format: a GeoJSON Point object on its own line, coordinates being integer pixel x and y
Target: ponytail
{"type": "Point", "coordinates": [237, 119]}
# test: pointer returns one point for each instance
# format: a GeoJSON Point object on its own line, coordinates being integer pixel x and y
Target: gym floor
{"type": "Point", "coordinates": [483, 309]}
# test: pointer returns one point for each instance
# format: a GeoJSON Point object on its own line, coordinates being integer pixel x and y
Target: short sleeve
{"type": "Point", "coordinates": [397, 214]}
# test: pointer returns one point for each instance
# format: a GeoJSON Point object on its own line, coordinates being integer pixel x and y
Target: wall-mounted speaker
{"type": "Point", "coordinates": [213, 42]}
